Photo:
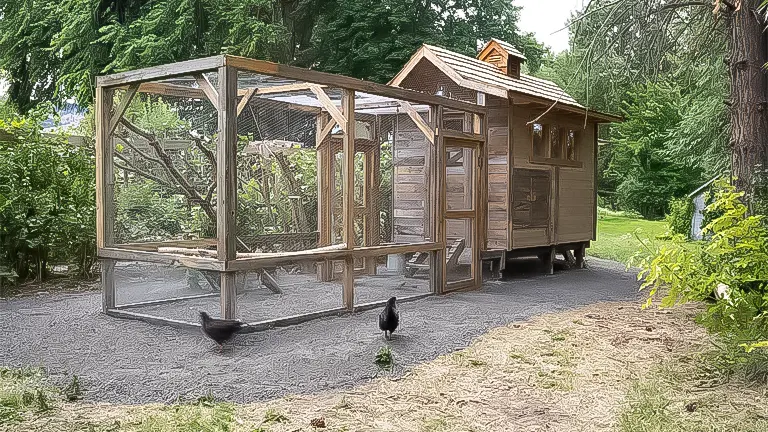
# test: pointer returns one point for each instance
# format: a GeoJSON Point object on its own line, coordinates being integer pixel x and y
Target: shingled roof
{"type": "Point", "coordinates": [478, 75]}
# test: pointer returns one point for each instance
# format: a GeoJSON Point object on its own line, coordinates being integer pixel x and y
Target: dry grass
{"type": "Point", "coordinates": [599, 368]}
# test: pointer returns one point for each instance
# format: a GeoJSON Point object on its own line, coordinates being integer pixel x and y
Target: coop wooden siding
{"type": "Point", "coordinates": [410, 182]}
{"type": "Point", "coordinates": [498, 173]}
{"type": "Point", "coordinates": [575, 210]}
{"type": "Point", "coordinates": [521, 149]}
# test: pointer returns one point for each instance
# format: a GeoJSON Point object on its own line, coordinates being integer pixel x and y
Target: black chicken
{"type": "Point", "coordinates": [220, 330]}
{"type": "Point", "coordinates": [389, 318]}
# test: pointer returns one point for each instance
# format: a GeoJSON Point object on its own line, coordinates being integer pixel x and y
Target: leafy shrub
{"type": "Point", "coordinates": [680, 216]}
{"type": "Point", "coordinates": [145, 214]}
{"type": "Point", "coordinates": [47, 200]}
{"type": "Point", "coordinates": [734, 261]}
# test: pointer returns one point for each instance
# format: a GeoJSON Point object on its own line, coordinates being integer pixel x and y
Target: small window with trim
{"type": "Point", "coordinates": [553, 144]}
{"type": "Point", "coordinates": [539, 148]}
{"type": "Point", "coordinates": [570, 145]}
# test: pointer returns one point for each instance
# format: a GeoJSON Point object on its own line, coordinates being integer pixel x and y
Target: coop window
{"type": "Point", "coordinates": [539, 148]}
{"type": "Point", "coordinates": [555, 143]}
{"type": "Point", "coordinates": [570, 145]}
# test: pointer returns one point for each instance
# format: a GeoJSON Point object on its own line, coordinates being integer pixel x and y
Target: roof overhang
{"type": "Point", "coordinates": [425, 53]}
{"type": "Point", "coordinates": [592, 116]}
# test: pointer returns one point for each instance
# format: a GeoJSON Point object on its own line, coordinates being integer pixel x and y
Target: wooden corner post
{"type": "Point", "coordinates": [105, 192]}
{"type": "Point", "coordinates": [226, 186]}
{"type": "Point", "coordinates": [438, 193]}
{"type": "Point", "coordinates": [348, 195]}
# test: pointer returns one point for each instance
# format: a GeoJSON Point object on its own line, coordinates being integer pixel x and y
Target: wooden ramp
{"type": "Point", "coordinates": [419, 260]}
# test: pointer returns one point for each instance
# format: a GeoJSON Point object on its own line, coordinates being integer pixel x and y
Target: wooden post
{"type": "Point", "coordinates": [372, 199]}
{"type": "Point", "coordinates": [108, 293]}
{"type": "Point", "coordinates": [549, 260]}
{"type": "Point", "coordinates": [348, 195]}
{"type": "Point", "coordinates": [226, 184]}
{"type": "Point", "coordinates": [325, 185]}
{"type": "Point", "coordinates": [437, 201]}
{"type": "Point", "coordinates": [579, 252]}
{"type": "Point", "coordinates": [105, 192]}
{"type": "Point", "coordinates": [594, 184]}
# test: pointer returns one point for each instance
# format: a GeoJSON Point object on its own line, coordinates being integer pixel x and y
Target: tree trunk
{"type": "Point", "coordinates": [749, 123]}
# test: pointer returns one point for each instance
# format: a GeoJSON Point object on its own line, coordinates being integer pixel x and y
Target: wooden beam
{"type": "Point", "coordinates": [120, 110]}
{"type": "Point", "coordinates": [166, 301]}
{"type": "Point", "coordinates": [313, 76]}
{"type": "Point", "coordinates": [439, 204]}
{"type": "Point", "coordinates": [159, 258]}
{"type": "Point", "coordinates": [207, 88]}
{"type": "Point", "coordinates": [347, 123]}
{"type": "Point", "coordinates": [105, 177]}
{"type": "Point", "coordinates": [245, 100]}
{"type": "Point", "coordinates": [188, 67]}
{"type": "Point", "coordinates": [330, 107]}
{"type": "Point", "coordinates": [226, 185]}
{"type": "Point", "coordinates": [420, 123]}
{"type": "Point", "coordinates": [284, 88]}
{"type": "Point", "coordinates": [326, 131]}
{"type": "Point", "coordinates": [462, 136]}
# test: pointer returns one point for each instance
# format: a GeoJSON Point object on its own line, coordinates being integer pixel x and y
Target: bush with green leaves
{"type": "Point", "coordinates": [729, 272]}
{"type": "Point", "coordinates": [680, 216]}
{"type": "Point", "coordinates": [47, 200]}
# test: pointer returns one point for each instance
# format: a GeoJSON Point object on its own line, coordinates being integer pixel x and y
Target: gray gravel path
{"type": "Point", "coordinates": [125, 361]}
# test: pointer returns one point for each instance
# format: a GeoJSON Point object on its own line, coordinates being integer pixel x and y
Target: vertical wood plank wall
{"type": "Point", "coordinates": [409, 182]}
{"type": "Point", "coordinates": [498, 173]}
{"type": "Point", "coordinates": [572, 193]}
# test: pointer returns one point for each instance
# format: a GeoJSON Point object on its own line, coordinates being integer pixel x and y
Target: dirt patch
{"type": "Point", "coordinates": [563, 371]}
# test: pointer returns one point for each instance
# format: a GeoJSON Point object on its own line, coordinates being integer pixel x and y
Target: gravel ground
{"type": "Point", "coordinates": [124, 361]}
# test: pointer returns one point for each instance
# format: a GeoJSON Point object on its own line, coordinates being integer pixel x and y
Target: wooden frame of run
{"type": "Point", "coordinates": [229, 102]}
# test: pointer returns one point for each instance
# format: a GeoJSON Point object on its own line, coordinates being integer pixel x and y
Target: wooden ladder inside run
{"type": "Point", "coordinates": [419, 260]}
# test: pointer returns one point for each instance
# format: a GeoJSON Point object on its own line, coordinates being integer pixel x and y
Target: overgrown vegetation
{"type": "Point", "coordinates": [47, 200]}
{"type": "Point", "coordinates": [680, 216]}
{"type": "Point", "coordinates": [730, 271]}
{"type": "Point", "coordinates": [24, 392]}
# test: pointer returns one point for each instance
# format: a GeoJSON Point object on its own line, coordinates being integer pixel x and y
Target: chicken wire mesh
{"type": "Point", "coordinates": [289, 168]}
{"type": "Point", "coordinates": [164, 164]}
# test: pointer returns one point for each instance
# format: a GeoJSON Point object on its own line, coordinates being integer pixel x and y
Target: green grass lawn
{"type": "Point", "coordinates": [617, 236]}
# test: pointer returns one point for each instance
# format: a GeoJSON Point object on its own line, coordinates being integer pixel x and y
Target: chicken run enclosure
{"type": "Point", "coordinates": [273, 194]}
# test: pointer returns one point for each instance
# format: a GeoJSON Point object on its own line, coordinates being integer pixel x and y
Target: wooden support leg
{"type": "Point", "coordinates": [496, 268]}
{"type": "Point", "coordinates": [108, 284]}
{"type": "Point", "coordinates": [580, 252]}
{"type": "Point", "coordinates": [228, 295]}
{"type": "Point", "coordinates": [548, 259]}
{"type": "Point", "coordinates": [270, 282]}
{"type": "Point", "coordinates": [348, 294]}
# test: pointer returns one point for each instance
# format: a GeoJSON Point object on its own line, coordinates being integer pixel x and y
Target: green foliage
{"type": "Point", "coordinates": [649, 176]}
{"type": "Point", "coordinates": [47, 200]}
{"type": "Point", "coordinates": [619, 234]}
{"type": "Point", "coordinates": [384, 358]}
{"type": "Point", "coordinates": [73, 391]}
{"type": "Point", "coordinates": [145, 214]}
{"type": "Point", "coordinates": [24, 391]}
{"type": "Point", "coordinates": [52, 49]}
{"type": "Point", "coordinates": [680, 216]}
{"type": "Point", "coordinates": [735, 259]}
{"type": "Point", "coordinates": [202, 416]}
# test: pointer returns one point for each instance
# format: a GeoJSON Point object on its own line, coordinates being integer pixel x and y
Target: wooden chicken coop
{"type": "Point", "coordinates": [275, 194]}
{"type": "Point", "coordinates": [540, 184]}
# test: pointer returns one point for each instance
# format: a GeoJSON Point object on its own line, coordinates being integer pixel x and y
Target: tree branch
{"type": "Point", "coordinates": [167, 163]}
{"type": "Point", "coordinates": [131, 168]}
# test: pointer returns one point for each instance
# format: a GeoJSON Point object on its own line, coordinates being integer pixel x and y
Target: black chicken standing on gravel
{"type": "Point", "coordinates": [220, 330]}
{"type": "Point", "coordinates": [389, 318]}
